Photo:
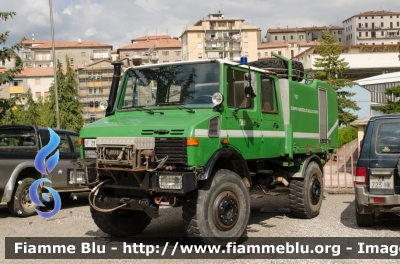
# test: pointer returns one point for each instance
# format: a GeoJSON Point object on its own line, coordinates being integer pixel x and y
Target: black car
{"type": "Point", "coordinates": [377, 181]}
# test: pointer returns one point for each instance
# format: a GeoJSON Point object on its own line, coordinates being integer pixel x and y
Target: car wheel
{"type": "Point", "coordinates": [21, 204]}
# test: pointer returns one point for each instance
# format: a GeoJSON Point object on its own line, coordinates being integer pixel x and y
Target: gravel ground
{"type": "Point", "coordinates": [269, 218]}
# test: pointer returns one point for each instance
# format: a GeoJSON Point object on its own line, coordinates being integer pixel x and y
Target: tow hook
{"type": "Point", "coordinates": [165, 200]}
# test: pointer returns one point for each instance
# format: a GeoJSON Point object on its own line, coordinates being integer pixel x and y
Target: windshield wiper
{"type": "Point", "coordinates": [151, 112]}
{"type": "Point", "coordinates": [185, 107]}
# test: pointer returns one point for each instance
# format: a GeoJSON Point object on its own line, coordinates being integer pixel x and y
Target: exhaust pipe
{"type": "Point", "coordinates": [114, 87]}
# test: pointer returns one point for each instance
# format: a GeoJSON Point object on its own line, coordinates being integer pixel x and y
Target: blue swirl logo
{"type": "Point", "coordinates": [45, 167]}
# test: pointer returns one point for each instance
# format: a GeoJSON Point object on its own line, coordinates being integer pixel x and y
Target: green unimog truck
{"type": "Point", "coordinates": [201, 134]}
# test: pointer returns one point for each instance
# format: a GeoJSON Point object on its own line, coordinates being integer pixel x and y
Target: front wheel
{"type": "Point", "coordinates": [121, 222]}
{"type": "Point", "coordinates": [21, 204]}
{"type": "Point", "coordinates": [305, 195]}
{"type": "Point", "coordinates": [220, 211]}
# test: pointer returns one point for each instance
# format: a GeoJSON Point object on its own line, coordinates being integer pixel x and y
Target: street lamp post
{"type": "Point", "coordinates": [54, 64]}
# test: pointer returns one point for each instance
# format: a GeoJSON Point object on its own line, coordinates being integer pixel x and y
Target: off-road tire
{"type": "Point", "coordinates": [21, 204]}
{"type": "Point", "coordinates": [121, 222]}
{"type": "Point", "coordinates": [219, 212]}
{"type": "Point", "coordinates": [305, 195]}
{"type": "Point", "coordinates": [280, 68]}
{"type": "Point", "coordinates": [363, 220]}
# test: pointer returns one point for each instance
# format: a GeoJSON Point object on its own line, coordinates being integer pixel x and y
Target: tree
{"type": "Point", "coordinates": [332, 72]}
{"type": "Point", "coordinates": [392, 106]}
{"type": "Point", "coordinates": [69, 106]}
{"type": "Point", "coordinates": [6, 54]}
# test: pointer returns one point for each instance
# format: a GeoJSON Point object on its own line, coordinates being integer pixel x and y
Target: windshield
{"type": "Point", "coordinates": [188, 84]}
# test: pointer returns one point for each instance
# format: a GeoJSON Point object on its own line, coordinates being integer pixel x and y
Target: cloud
{"type": "Point", "coordinates": [90, 32]}
{"type": "Point", "coordinates": [67, 11]}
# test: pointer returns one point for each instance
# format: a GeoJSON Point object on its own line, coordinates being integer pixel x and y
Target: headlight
{"type": "Point", "coordinates": [79, 178]}
{"type": "Point", "coordinates": [171, 182]}
{"type": "Point", "coordinates": [217, 98]}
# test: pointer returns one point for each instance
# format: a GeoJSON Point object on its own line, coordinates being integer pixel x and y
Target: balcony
{"type": "Point", "coordinates": [368, 28]}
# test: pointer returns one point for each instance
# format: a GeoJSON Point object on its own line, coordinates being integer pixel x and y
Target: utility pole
{"type": "Point", "coordinates": [54, 64]}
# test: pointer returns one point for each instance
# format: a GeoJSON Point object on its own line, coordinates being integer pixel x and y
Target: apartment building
{"type": "Point", "coordinates": [364, 60]}
{"type": "Point", "coordinates": [152, 49]}
{"type": "Point", "coordinates": [217, 37]}
{"type": "Point", "coordinates": [94, 82]}
{"type": "Point", "coordinates": [38, 53]}
{"type": "Point", "coordinates": [288, 50]}
{"type": "Point", "coordinates": [307, 34]}
{"type": "Point", "coordinates": [372, 28]}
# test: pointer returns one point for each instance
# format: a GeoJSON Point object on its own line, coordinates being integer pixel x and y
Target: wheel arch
{"type": "Point", "coordinates": [227, 158]}
{"type": "Point", "coordinates": [304, 161]}
{"type": "Point", "coordinates": [22, 171]}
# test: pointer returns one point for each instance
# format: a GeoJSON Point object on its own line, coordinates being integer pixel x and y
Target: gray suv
{"type": "Point", "coordinates": [377, 181]}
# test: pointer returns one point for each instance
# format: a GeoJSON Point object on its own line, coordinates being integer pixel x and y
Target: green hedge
{"type": "Point", "coordinates": [346, 135]}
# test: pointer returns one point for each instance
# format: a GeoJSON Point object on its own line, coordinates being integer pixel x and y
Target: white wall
{"type": "Point", "coordinates": [45, 83]}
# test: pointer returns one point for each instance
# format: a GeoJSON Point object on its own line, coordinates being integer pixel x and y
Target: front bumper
{"type": "Point", "coordinates": [366, 205]}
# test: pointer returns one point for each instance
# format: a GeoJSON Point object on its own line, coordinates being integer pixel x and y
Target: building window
{"type": "Point", "coordinates": [165, 53]}
{"type": "Point", "coordinates": [177, 53]}
{"type": "Point", "coordinates": [301, 37]}
{"type": "Point", "coordinates": [398, 23]}
{"type": "Point", "coordinates": [16, 83]}
{"type": "Point", "coordinates": [91, 103]}
{"type": "Point", "coordinates": [276, 37]}
{"type": "Point", "coordinates": [100, 90]}
{"type": "Point", "coordinates": [3, 63]}
{"type": "Point", "coordinates": [102, 54]}
{"type": "Point", "coordinates": [284, 37]}
{"type": "Point", "coordinates": [366, 25]}
{"type": "Point", "coordinates": [90, 91]}
{"type": "Point", "coordinates": [339, 32]}
{"type": "Point", "coordinates": [38, 94]}
{"type": "Point", "coordinates": [279, 52]}
{"type": "Point", "coordinates": [46, 94]}
{"type": "Point", "coordinates": [366, 17]}
{"type": "Point", "coordinates": [200, 55]}
{"type": "Point", "coordinates": [382, 34]}
{"type": "Point", "coordinates": [246, 44]}
{"type": "Point", "coordinates": [292, 53]}
{"type": "Point", "coordinates": [359, 34]}
{"type": "Point", "coordinates": [95, 90]}
{"type": "Point", "coordinates": [83, 54]}
{"type": "Point", "coordinates": [291, 37]}
{"type": "Point", "coordinates": [340, 39]}
{"type": "Point", "coordinates": [382, 24]}
{"type": "Point", "coordinates": [92, 118]}
{"type": "Point", "coordinates": [72, 61]}
{"type": "Point", "coordinates": [96, 104]}
{"type": "Point", "coordinates": [366, 34]}
{"type": "Point", "coordinates": [359, 25]}
{"type": "Point", "coordinates": [37, 81]}
{"type": "Point", "coordinates": [266, 54]}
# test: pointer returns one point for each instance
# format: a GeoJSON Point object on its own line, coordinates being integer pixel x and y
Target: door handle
{"type": "Point", "coordinates": [275, 125]}
{"type": "Point", "coordinates": [256, 124]}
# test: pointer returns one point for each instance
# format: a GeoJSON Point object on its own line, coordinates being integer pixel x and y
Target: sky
{"type": "Point", "coordinates": [116, 22]}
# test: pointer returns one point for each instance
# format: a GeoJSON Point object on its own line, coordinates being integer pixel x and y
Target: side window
{"type": "Point", "coordinates": [237, 83]}
{"type": "Point", "coordinates": [388, 138]}
{"type": "Point", "coordinates": [268, 96]}
{"type": "Point", "coordinates": [64, 144]}
{"type": "Point", "coordinates": [17, 138]}
{"type": "Point", "coordinates": [74, 140]}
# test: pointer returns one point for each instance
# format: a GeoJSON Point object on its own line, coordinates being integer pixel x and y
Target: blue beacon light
{"type": "Point", "coordinates": [243, 60]}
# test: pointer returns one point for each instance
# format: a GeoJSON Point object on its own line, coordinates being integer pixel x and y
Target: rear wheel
{"type": "Point", "coordinates": [121, 222]}
{"type": "Point", "coordinates": [220, 211]}
{"type": "Point", "coordinates": [306, 194]}
{"type": "Point", "coordinates": [21, 204]}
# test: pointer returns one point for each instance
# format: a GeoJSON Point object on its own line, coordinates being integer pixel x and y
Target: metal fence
{"type": "Point", "coordinates": [339, 171]}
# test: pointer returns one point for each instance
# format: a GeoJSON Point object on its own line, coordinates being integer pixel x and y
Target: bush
{"type": "Point", "coordinates": [346, 135]}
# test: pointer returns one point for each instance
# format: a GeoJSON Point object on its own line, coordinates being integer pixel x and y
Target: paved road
{"type": "Point", "coordinates": [269, 218]}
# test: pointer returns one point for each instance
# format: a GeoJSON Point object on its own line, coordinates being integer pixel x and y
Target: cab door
{"type": "Point", "coordinates": [242, 126]}
{"type": "Point", "coordinates": [271, 123]}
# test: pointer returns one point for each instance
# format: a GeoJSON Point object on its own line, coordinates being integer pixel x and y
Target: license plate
{"type": "Point", "coordinates": [90, 142]}
{"type": "Point", "coordinates": [381, 181]}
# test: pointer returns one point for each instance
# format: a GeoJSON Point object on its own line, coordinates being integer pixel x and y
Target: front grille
{"type": "Point", "coordinates": [174, 148]}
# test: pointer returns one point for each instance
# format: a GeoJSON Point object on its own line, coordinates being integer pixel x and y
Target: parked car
{"type": "Point", "coordinates": [377, 182]}
{"type": "Point", "coordinates": [19, 145]}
